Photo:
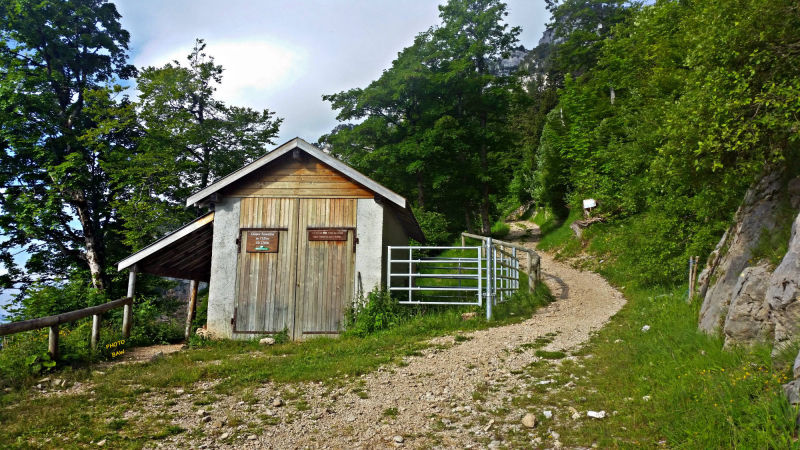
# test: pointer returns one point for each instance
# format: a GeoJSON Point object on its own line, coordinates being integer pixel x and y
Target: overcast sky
{"type": "Point", "coordinates": [284, 55]}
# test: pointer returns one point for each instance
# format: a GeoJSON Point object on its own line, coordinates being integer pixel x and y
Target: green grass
{"type": "Point", "coordinates": [75, 420]}
{"type": "Point", "coordinates": [555, 231]}
{"type": "Point", "coordinates": [550, 355]}
{"type": "Point", "coordinates": [672, 386]}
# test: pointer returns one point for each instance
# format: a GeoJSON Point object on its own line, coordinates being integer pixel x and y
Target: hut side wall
{"type": "Point", "coordinates": [393, 234]}
{"type": "Point", "coordinates": [222, 287]}
{"type": "Point", "coordinates": [369, 263]}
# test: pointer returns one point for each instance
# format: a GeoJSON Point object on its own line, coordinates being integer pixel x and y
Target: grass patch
{"type": "Point", "coordinates": [555, 231]}
{"type": "Point", "coordinates": [390, 412]}
{"type": "Point", "coordinates": [500, 230]}
{"type": "Point", "coordinates": [550, 355]}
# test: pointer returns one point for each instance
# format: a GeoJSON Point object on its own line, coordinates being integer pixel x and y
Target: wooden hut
{"type": "Point", "coordinates": [289, 242]}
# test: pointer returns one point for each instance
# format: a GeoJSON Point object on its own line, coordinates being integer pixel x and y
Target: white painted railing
{"type": "Point", "coordinates": [489, 272]}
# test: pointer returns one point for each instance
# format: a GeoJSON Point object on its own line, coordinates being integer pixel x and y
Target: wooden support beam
{"type": "Point", "coordinates": [127, 310]}
{"type": "Point", "coordinates": [52, 342]}
{"type": "Point", "coordinates": [95, 330]}
{"type": "Point", "coordinates": [191, 307]}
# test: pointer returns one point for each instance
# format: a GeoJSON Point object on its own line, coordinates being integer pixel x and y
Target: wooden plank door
{"type": "Point", "coordinates": [325, 265]}
{"type": "Point", "coordinates": [266, 279]}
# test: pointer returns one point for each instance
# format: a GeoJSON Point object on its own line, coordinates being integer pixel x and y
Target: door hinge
{"type": "Point", "coordinates": [238, 245]}
{"type": "Point", "coordinates": [233, 319]}
{"type": "Point", "coordinates": [355, 242]}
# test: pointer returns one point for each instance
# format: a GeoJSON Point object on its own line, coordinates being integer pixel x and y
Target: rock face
{"type": "Point", "coordinates": [718, 281]}
{"type": "Point", "coordinates": [783, 292]}
{"type": "Point", "coordinates": [748, 318]}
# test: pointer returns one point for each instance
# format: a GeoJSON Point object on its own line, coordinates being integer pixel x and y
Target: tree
{"type": "Point", "coordinates": [189, 138]}
{"type": "Point", "coordinates": [436, 124]}
{"type": "Point", "coordinates": [57, 60]}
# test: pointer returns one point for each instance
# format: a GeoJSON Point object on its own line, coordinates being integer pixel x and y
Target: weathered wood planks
{"type": "Point", "coordinates": [307, 178]}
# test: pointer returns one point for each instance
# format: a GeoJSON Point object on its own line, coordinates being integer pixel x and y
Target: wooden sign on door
{"type": "Point", "coordinates": [327, 234]}
{"type": "Point", "coordinates": [262, 241]}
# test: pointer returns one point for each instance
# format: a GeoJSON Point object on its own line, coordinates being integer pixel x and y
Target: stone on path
{"type": "Point", "coordinates": [529, 420]}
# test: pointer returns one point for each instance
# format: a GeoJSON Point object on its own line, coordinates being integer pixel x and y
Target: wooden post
{"type": "Point", "coordinates": [191, 307]}
{"type": "Point", "coordinates": [531, 278]}
{"type": "Point", "coordinates": [95, 330]}
{"type": "Point", "coordinates": [463, 241]}
{"type": "Point", "coordinates": [52, 342]}
{"type": "Point", "coordinates": [127, 309]}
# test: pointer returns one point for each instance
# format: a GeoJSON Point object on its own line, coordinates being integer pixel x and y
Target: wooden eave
{"type": "Point", "coordinates": [185, 253]}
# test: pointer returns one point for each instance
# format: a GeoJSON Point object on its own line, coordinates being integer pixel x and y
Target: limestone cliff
{"type": "Point", "coordinates": [743, 297]}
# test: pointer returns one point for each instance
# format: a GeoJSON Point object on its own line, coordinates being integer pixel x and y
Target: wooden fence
{"type": "Point", "coordinates": [52, 322]}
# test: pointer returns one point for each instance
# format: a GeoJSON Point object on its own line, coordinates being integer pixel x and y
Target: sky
{"type": "Point", "coordinates": [284, 55]}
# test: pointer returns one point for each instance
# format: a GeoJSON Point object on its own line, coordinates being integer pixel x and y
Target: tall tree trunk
{"type": "Point", "coordinates": [486, 225]}
{"type": "Point", "coordinates": [93, 241]}
{"type": "Point", "coordinates": [420, 192]}
{"type": "Point", "coordinates": [468, 219]}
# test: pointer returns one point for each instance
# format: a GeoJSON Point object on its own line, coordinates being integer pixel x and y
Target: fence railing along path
{"type": "Point", "coordinates": [52, 322]}
{"type": "Point", "coordinates": [470, 275]}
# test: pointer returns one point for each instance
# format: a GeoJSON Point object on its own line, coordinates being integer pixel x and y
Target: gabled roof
{"type": "Point", "coordinates": [296, 143]}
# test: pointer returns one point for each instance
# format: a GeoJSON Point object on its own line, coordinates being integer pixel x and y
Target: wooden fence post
{"type": "Point", "coordinates": [126, 310]}
{"type": "Point", "coordinates": [95, 330]}
{"type": "Point", "coordinates": [52, 342]}
{"type": "Point", "coordinates": [531, 271]}
{"type": "Point", "coordinates": [191, 307]}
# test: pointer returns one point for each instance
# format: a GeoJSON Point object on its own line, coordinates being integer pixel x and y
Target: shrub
{"type": "Point", "coordinates": [379, 312]}
{"type": "Point", "coordinates": [435, 226]}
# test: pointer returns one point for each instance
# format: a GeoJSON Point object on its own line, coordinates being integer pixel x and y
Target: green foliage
{"type": "Point", "coordinates": [435, 226]}
{"type": "Point", "coordinates": [153, 323]}
{"type": "Point", "coordinates": [701, 107]}
{"type": "Point", "coordinates": [39, 363]}
{"type": "Point", "coordinates": [41, 300]}
{"type": "Point", "coordinates": [59, 61]}
{"type": "Point", "coordinates": [282, 337]}
{"type": "Point", "coordinates": [379, 311]}
{"type": "Point", "coordinates": [500, 229]}
{"type": "Point", "coordinates": [435, 126]}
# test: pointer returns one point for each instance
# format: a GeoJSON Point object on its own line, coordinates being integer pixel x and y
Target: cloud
{"type": "Point", "coordinates": [253, 69]}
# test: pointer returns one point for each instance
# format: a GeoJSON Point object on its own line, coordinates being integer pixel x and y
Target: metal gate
{"type": "Point", "coordinates": [467, 276]}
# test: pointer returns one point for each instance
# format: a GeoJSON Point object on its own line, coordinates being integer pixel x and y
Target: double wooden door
{"type": "Point", "coordinates": [295, 266]}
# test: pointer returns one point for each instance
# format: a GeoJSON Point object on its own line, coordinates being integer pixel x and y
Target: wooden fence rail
{"type": "Point", "coordinates": [534, 260]}
{"type": "Point", "coordinates": [52, 322]}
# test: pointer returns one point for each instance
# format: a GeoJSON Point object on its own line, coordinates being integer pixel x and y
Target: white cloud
{"type": "Point", "coordinates": [253, 69]}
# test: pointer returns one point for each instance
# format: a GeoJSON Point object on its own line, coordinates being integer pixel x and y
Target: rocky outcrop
{"type": "Point", "coordinates": [783, 292]}
{"type": "Point", "coordinates": [748, 318]}
{"type": "Point", "coordinates": [759, 213]}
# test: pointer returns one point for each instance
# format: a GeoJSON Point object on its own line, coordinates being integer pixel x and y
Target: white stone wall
{"type": "Point", "coordinates": [222, 287]}
{"type": "Point", "coordinates": [369, 268]}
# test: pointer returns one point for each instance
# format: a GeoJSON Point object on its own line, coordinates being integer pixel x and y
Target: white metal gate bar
{"type": "Point", "coordinates": [489, 272]}
{"type": "Point", "coordinates": [471, 271]}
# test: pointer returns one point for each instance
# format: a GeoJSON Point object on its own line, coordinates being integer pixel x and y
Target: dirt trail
{"type": "Point", "coordinates": [447, 397]}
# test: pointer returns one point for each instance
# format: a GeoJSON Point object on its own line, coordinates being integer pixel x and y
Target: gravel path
{"type": "Point", "coordinates": [448, 397]}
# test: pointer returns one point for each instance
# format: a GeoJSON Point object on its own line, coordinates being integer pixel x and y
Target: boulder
{"type": "Point", "coordinates": [792, 391]}
{"type": "Point", "coordinates": [758, 213]}
{"type": "Point", "coordinates": [748, 319]}
{"type": "Point", "coordinates": [783, 292]}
